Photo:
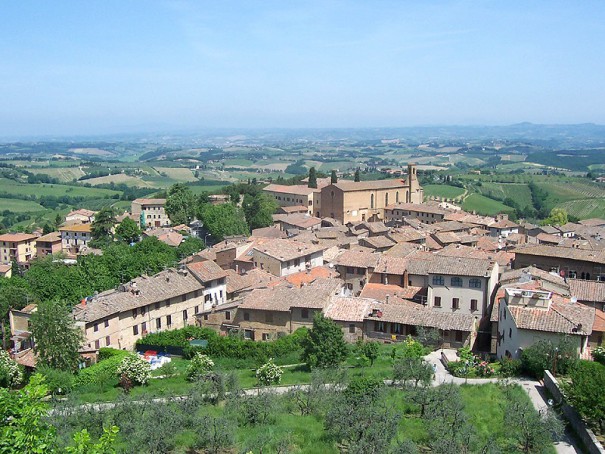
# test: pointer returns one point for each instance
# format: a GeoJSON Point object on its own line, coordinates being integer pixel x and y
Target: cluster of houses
{"type": "Point", "coordinates": [381, 264]}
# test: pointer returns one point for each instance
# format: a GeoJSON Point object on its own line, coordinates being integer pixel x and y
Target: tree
{"type": "Point", "coordinates": [47, 229]}
{"type": "Point", "coordinates": [558, 216]}
{"type": "Point", "coordinates": [14, 294]}
{"type": "Point", "coordinates": [532, 430]}
{"type": "Point", "coordinates": [368, 350]}
{"type": "Point", "coordinates": [585, 392]}
{"type": "Point", "coordinates": [128, 231]}
{"type": "Point", "coordinates": [102, 226]}
{"type": "Point", "coordinates": [333, 177]}
{"type": "Point", "coordinates": [190, 246]}
{"type": "Point", "coordinates": [312, 178]}
{"type": "Point", "coordinates": [546, 355]}
{"type": "Point", "coordinates": [259, 210]}
{"type": "Point", "coordinates": [224, 220]}
{"type": "Point", "coordinates": [180, 204]}
{"type": "Point", "coordinates": [11, 374]}
{"type": "Point", "coordinates": [447, 423]}
{"type": "Point", "coordinates": [269, 374]}
{"type": "Point", "coordinates": [357, 176]}
{"type": "Point", "coordinates": [56, 337]}
{"type": "Point", "coordinates": [324, 345]}
{"type": "Point", "coordinates": [415, 370]}
{"type": "Point", "coordinates": [214, 433]}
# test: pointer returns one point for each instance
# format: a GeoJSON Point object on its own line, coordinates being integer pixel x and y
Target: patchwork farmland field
{"type": "Point", "coordinates": [11, 187]}
{"type": "Point", "coordinates": [20, 206]}
{"type": "Point", "coordinates": [484, 205]}
{"type": "Point", "coordinates": [442, 190]}
{"type": "Point", "coordinates": [520, 193]}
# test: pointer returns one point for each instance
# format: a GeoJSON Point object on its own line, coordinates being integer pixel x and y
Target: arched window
{"type": "Point", "coordinates": [456, 281]}
{"type": "Point", "coordinates": [397, 197]}
{"type": "Point", "coordinates": [372, 201]}
{"type": "Point", "coordinates": [386, 199]}
{"type": "Point", "coordinates": [407, 197]}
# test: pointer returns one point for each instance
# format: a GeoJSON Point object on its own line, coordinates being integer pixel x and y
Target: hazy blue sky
{"type": "Point", "coordinates": [110, 66]}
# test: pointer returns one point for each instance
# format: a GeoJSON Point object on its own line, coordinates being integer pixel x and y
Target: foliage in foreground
{"type": "Point", "coordinates": [586, 392]}
{"type": "Point", "coordinates": [325, 345]}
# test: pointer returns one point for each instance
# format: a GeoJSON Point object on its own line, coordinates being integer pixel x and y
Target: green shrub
{"type": "Point", "coordinates": [199, 366]}
{"type": "Point", "coordinates": [413, 349]}
{"type": "Point", "coordinates": [510, 367]}
{"type": "Point", "coordinates": [545, 355]}
{"type": "Point", "coordinates": [135, 369]}
{"type": "Point", "coordinates": [102, 371]}
{"type": "Point", "coordinates": [598, 354]}
{"type": "Point", "coordinates": [362, 386]}
{"type": "Point", "coordinates": [11, 373]}
{"type": "Point", "coordinates": [108, 352]}
{"type": "Point", "coordinates": [57, 381]}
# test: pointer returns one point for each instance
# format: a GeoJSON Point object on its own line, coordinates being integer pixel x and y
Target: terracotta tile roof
{"type": "Point", "coordinates": [51, 237]}
{"type": "Point", "coordinates": [17, 237]}
{"type": "Point", "coordinates": [593, 222]}
{"type": "Point", "coordinates": [563, 253]}
{"type": "Point", "coordinates": [451, 226]}
{"type": "Point", "coordinates": [300, 220]}
{"type": "Point", "coordinates": [409, 313]}
{"type": "Point", "coordinates": [504, 224]}
{"type": "Point", "coordinates": [268, 232]}
{"type": "Point", "coordinates": [26, 358]}
{"type": "Point", "coordinates": [5, 268]}
{"type": "Point", "coordinates": [285, 250]}
{"type": "Point", "coordinates": [316, 295]}
{"type": "Point", "coordinates": [445, 238]}
{"type": "Point", "coordinates": [375, 227]}
{"type": "Point", "coordinates": [357, 259]}
{"type": "Point", "coordinates": [516, 276]}
{"type": "Point", "coordinates": [348, 309]}
{"type": "Point", "coordinates": [77, 228]}
{"type": "Point", "coordinates": [254, 278]}
{"type": "Point", "coordinates": [548, 238]}
{"type": "Point", "coordinates": [164, 285]}
{"type": "Point", "coordinates": [347, 186]}
{"type": "Point", "coordinates": [82, 212]}
{"type": "Point", "coordinates": [391, 265]}
{"type": "Point", "coordinates": [592, 291]}
{"type": "Point", "coordinates": [306, 277]}
{"type": "Point", "coordinates": [487, 244]}
{"type": "Point", "coordinates": [294, 209]}
{"type": "Point", "coordinates": [419, 262]}
{"type": "Point", "coordinates": [561, 317]}
{"type": "Point", "coordinates": [599, 321]}
{"type": "Point", "coordinates": [406, 234]}
{"type": "Point", "coordinates": [460, 266]}
{"type": "Point", "coordinates": [402, 249]}
{"type": "Point", "coordinates": [206, 271]}
{"type": "Point", "coordinates": [432, 244]}
{"type": "Point", "coordinates": [394, 292]}
{"type": "Point", "coordinates": [294, 189]}
{"type": "Point", "coordinates": [378, 242]}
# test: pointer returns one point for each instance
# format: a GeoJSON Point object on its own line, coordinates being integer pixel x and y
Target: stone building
{"type": "Point", "coordinates": [150, 212]}
{"type": "Point", "coordinates": [17, 247]}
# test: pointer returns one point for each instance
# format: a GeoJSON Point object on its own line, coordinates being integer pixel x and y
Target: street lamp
{"type": "Point", "coordinates": [206, 239]}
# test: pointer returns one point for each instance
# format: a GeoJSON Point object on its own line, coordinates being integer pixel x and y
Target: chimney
{"type": "Point", "coordinates": [387, 299]}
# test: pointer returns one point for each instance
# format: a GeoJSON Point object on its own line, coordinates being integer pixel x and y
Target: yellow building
{"type": "Point", "coordinates": [366, 200]}
{"type": "Point", "coordinates": [19, 247]}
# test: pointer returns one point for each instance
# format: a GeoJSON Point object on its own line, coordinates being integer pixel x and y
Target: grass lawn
{"type": "Point", "coordinates": [442, 190]}
{"type": "Point", "coordinates": [484, 205]}
{"type": "Point", "coordinates": [20, 206]}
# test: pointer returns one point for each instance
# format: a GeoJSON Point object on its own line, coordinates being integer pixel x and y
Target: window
{"type": "Point", "coordinates": [206, 317]}
{"type": "Point", "coordinates": [304, 313]}
{"type": "Point", "coordinates": [196, 310]}
{"type": "Point", "coordinates": [297, 262]}
{"type": "Point", "coordinates": [361, 270]}
{"type": "Point", "coordinates": [456, 281]}
{"type": "Point", "coordinates": [437, 302]}
{"type": "Point", "coordinates": [143, 310]}
{"type": "Point", "coordinates": [106, 323]}
{"type": "Point", "coordinates": [379, 326]}
{"type": "Point", "coordinates": [352, 328]}
{"type": "Point", "coordinates": [458, 336]}
{"type": "Point", "coordinates": [249, 334]}
{"type": "Point", "coordinates": [386, 199]}
{"type": "Point", "coordinates": [269, 317]}
{"type": "Point", "coordinates": [96, 327]}
{"type": "Point", "coordinates": [185, 315]}
{"type": "Point", "coordinates": [437, 280]}
{"type": "Point", "coordinates": [573, 274]}
{"type": "Point", "coordinates": [168, 302]}
{"type": "Point", "coordinates": [372, 201]}
{"type": "Point", "coordinates": [158, 323]}
{"type": "Point", "coordinates": [107, 341]}
{"type": "Point", "coordinates": [144, 327]}
{"type": "Point", "coordinates": [183, 298]}
{"type": "Point", "coordinates": [455, 303]}
{"type": "Point", "coordinates": [247, 316]}
{"type": "Point", "coordinates": [169, 320]}
{"type": "Point", "coordinates": [266, 336]}
{"type": "Point", "coordinates": [196, 293]}
{"type": "Point", "coordinates": [97, 344]}
{"type": "Point", "coordinates": [397, 197]}
{"type": "Point", "coordinates": [134, 312]}
{"type": "Point", "coordinates": [510, 332]}
{"type": "Point", "coordinates": [474, 283]}
{"type": "Point", "coordinates": [135, 330]}
{"type": "Point", "coordinates": [396, 328]}
{"type": "Point", "coordinates": [350, 270]}
{"type": "Point", "coordinates": [473, 305]}
{"type": "Point", "coordinates": [227, 315]}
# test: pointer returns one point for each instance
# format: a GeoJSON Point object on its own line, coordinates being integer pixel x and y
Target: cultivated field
{"type": "Point", "coordinates": [11, 187]}
{"type": "Point", "coordinates": [442, 190]}
{"type": "Point", "coordinates": [64, 174]}
{"type": "Point", "coordinates": [484, 205]}
{"type": "Point", "coordinates": [520, 193]}
{"type": "Point", "coordinates": [20, 206]}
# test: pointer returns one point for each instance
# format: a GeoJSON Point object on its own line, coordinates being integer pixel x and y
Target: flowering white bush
{"type": "Point", "coordinates": [269, 373]}
{"type": "Point", "coordinates": [135, 368]}
{"type": "Point", "coordinates": [10, 370]}
{"type": "Point", "coordinates": [199, 366]}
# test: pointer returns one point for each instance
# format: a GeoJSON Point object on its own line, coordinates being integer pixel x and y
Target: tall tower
{"type": "Point", "coordinates": [416, 192]}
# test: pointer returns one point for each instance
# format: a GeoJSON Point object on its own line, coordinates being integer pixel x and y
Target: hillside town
{"type": "Point", "coordinates": [377, 260]}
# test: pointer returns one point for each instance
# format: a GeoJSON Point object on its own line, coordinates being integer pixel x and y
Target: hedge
{"type": "Point", "coordinates": [104, 370]}
{"type": "Point", "coordinates": [222, 346]}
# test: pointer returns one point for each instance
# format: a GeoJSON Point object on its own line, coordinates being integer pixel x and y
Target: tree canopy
{"type": "Point", "coordinates": [57, 340]}
{"type": "Point", "coordinates": [259, 210]}
{"type": "Point", "coordinates": [557, 216]}
{"type": "Point", "coordinates": [224, 220]}
{"type": "Point", "coordinates": [102, 226]}
{"type": "Point", "coordinates": [128, 231]}
{"type": "Point", "coordinates": [357, 176]}
{"type": "Point", "coordinates": [325, 345]}
{"type": "Point", "coordinates": [180, 204]}
{"type": "Point", "coordinates": [312, 178]}
{"type": "Point", "coordinates": [333, 177]}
